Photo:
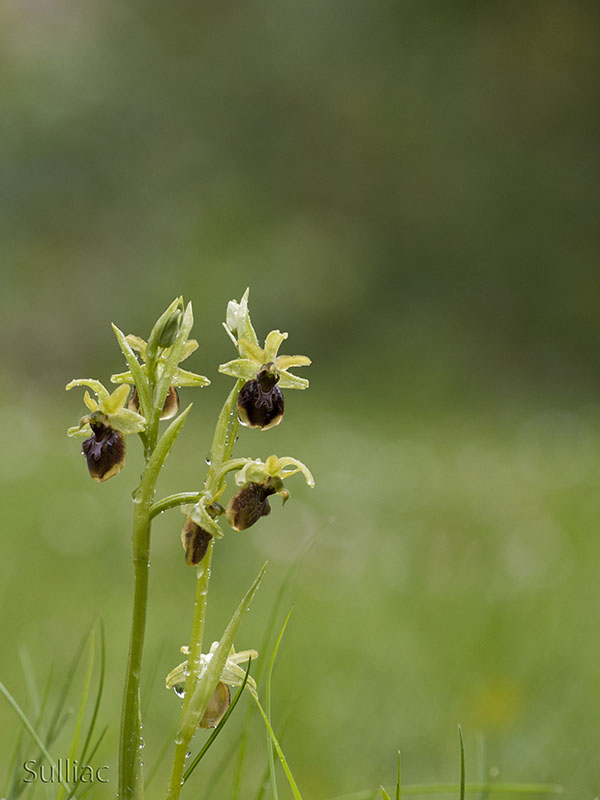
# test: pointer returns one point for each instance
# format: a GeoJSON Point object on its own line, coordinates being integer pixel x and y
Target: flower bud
{"type": "Point", "coordinates": [217, 706]}
{"type": "Point", "coordinates": [249, 504]}
{"type": "Point", "coordinates": [260, 401]}
{"type": "Point", "coordinates": [104, 451]}
{"type": "Point", "coordinates": [195, 541]}
{"type": "Point", "coordinates": [166, 330]}
{"type": "Point", "coordinates": [170, 408]}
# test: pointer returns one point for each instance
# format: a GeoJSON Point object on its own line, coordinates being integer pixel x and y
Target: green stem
{"type": "Point", "coordinates": [172, 501]}
{"type": "Point", "coordinates": [184, 734]}
{"type": "Point", "coordinates": [222, 447]}
{"type": "Point", "coordinates": [130, 783]}
{"type": "Point", "coordinates": [129, 769]}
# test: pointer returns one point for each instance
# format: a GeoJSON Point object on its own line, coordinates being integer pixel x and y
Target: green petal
{"type": "Point", "coordinates": [273, 342]}
{"type": "Point", "coordinates": [289, 381]}
{"type": "Point", "coordinates": [93, 384]}
{"type": "Point", "coordinates": [182, 377]}
{"type": "Point", "coordinates": [239, 368]}
{"type": "Point", "coordinates": [137, 343]}
{"type": "Point", "coordinates": [116, 400]}
{"type": "Point", "coordinates": [190, 347]}
{"type": "Point", "coordinates": [127, 421]}
{"type": "Point", "coordinates": [300, 467]}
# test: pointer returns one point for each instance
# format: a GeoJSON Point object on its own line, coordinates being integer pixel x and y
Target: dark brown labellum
{"type": "Point", "coordinates": [170, 408]}
{"type": "Point", "coordinates": [248, 505]}
{"type": "Point", "coordinates": [195, 541]}
{"type": "Point", "coordinates": [104, 452]}
{"type": "Point", "coordinates": [217, 706]}
{"type": "Point", "coordinates": [260, 401]}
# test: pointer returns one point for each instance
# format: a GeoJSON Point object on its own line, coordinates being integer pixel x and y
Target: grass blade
{"type": "Point", "coordinates": [399, 784]}
{"type": "Point", "coordinates": [99, 692]}
{"type": "Point", "coordinates": [268, 706]}
{"type": "Point", "coordinates": [29, 727]}
{"type": "Point", "coordinates": [384, 794]}
{"type": "Point", "coordinates": [279, 751]}
{"type": "Point", "coordinates": [268, 633]}
{"type": "Point", "coordinates": [452, 788]}
{"type": "Point", "coordinates": [85, 691]}
{"type": "Point", "coordinates": [462, 764]}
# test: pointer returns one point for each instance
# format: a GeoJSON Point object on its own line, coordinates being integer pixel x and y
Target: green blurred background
{"type": "Point", "coordinates": [410, 189]}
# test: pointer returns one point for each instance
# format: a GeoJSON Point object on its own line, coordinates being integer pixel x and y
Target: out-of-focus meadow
{"type": "Point", "coordinates": [412, 191]}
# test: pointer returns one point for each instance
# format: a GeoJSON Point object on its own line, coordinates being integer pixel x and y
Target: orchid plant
{"type": "Point", "coordinates": [146, 394]}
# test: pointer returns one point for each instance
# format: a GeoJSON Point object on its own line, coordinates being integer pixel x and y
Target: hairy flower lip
{"type": "Point", "coordinates": [104, 451]}
{"type": "Point", "coordinates": [249, 504]}
{"type": "Point", "coordinates": [260, 402]}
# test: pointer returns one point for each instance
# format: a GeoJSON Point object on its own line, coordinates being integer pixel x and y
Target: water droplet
{"type": "Point", "coordinates": [179, 690]}
{"type": "Point", "coordinates": [188, 754]}
{"type": "Point", "coordinates": [207, 458]}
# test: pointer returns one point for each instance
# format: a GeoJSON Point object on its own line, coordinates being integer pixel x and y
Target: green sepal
{"type": "Point", "coordinates": [251, 351]}
{"type": "Point", "coordinates": [238, 324]}
{"type": "Point", "coordinates": [182, 377]}
{"type": "Point", "coordinates": [137, 343]}
{"type": "Point", "coordinates": [201, 517]}
{"type": "Point", "coordinates": [287, 362]}
{"type": "Point", "coordinates": [239, 368]}
{"type": "Point", "coordinates": [127, 421]}
{"type": "Point", "coordinates": [289, 381]}
{"type": "Point", "coordinates": [190, 347]}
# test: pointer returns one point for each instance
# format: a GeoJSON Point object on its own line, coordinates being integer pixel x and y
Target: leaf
{"type": "Point", "coordinates": [139, 377]}
{"type": "Point", "coordinates": [162, 449]}
{"type": "Point", "coordinates": [211, 675]}
{"type": "Point", "coordinates": [219, 727]}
